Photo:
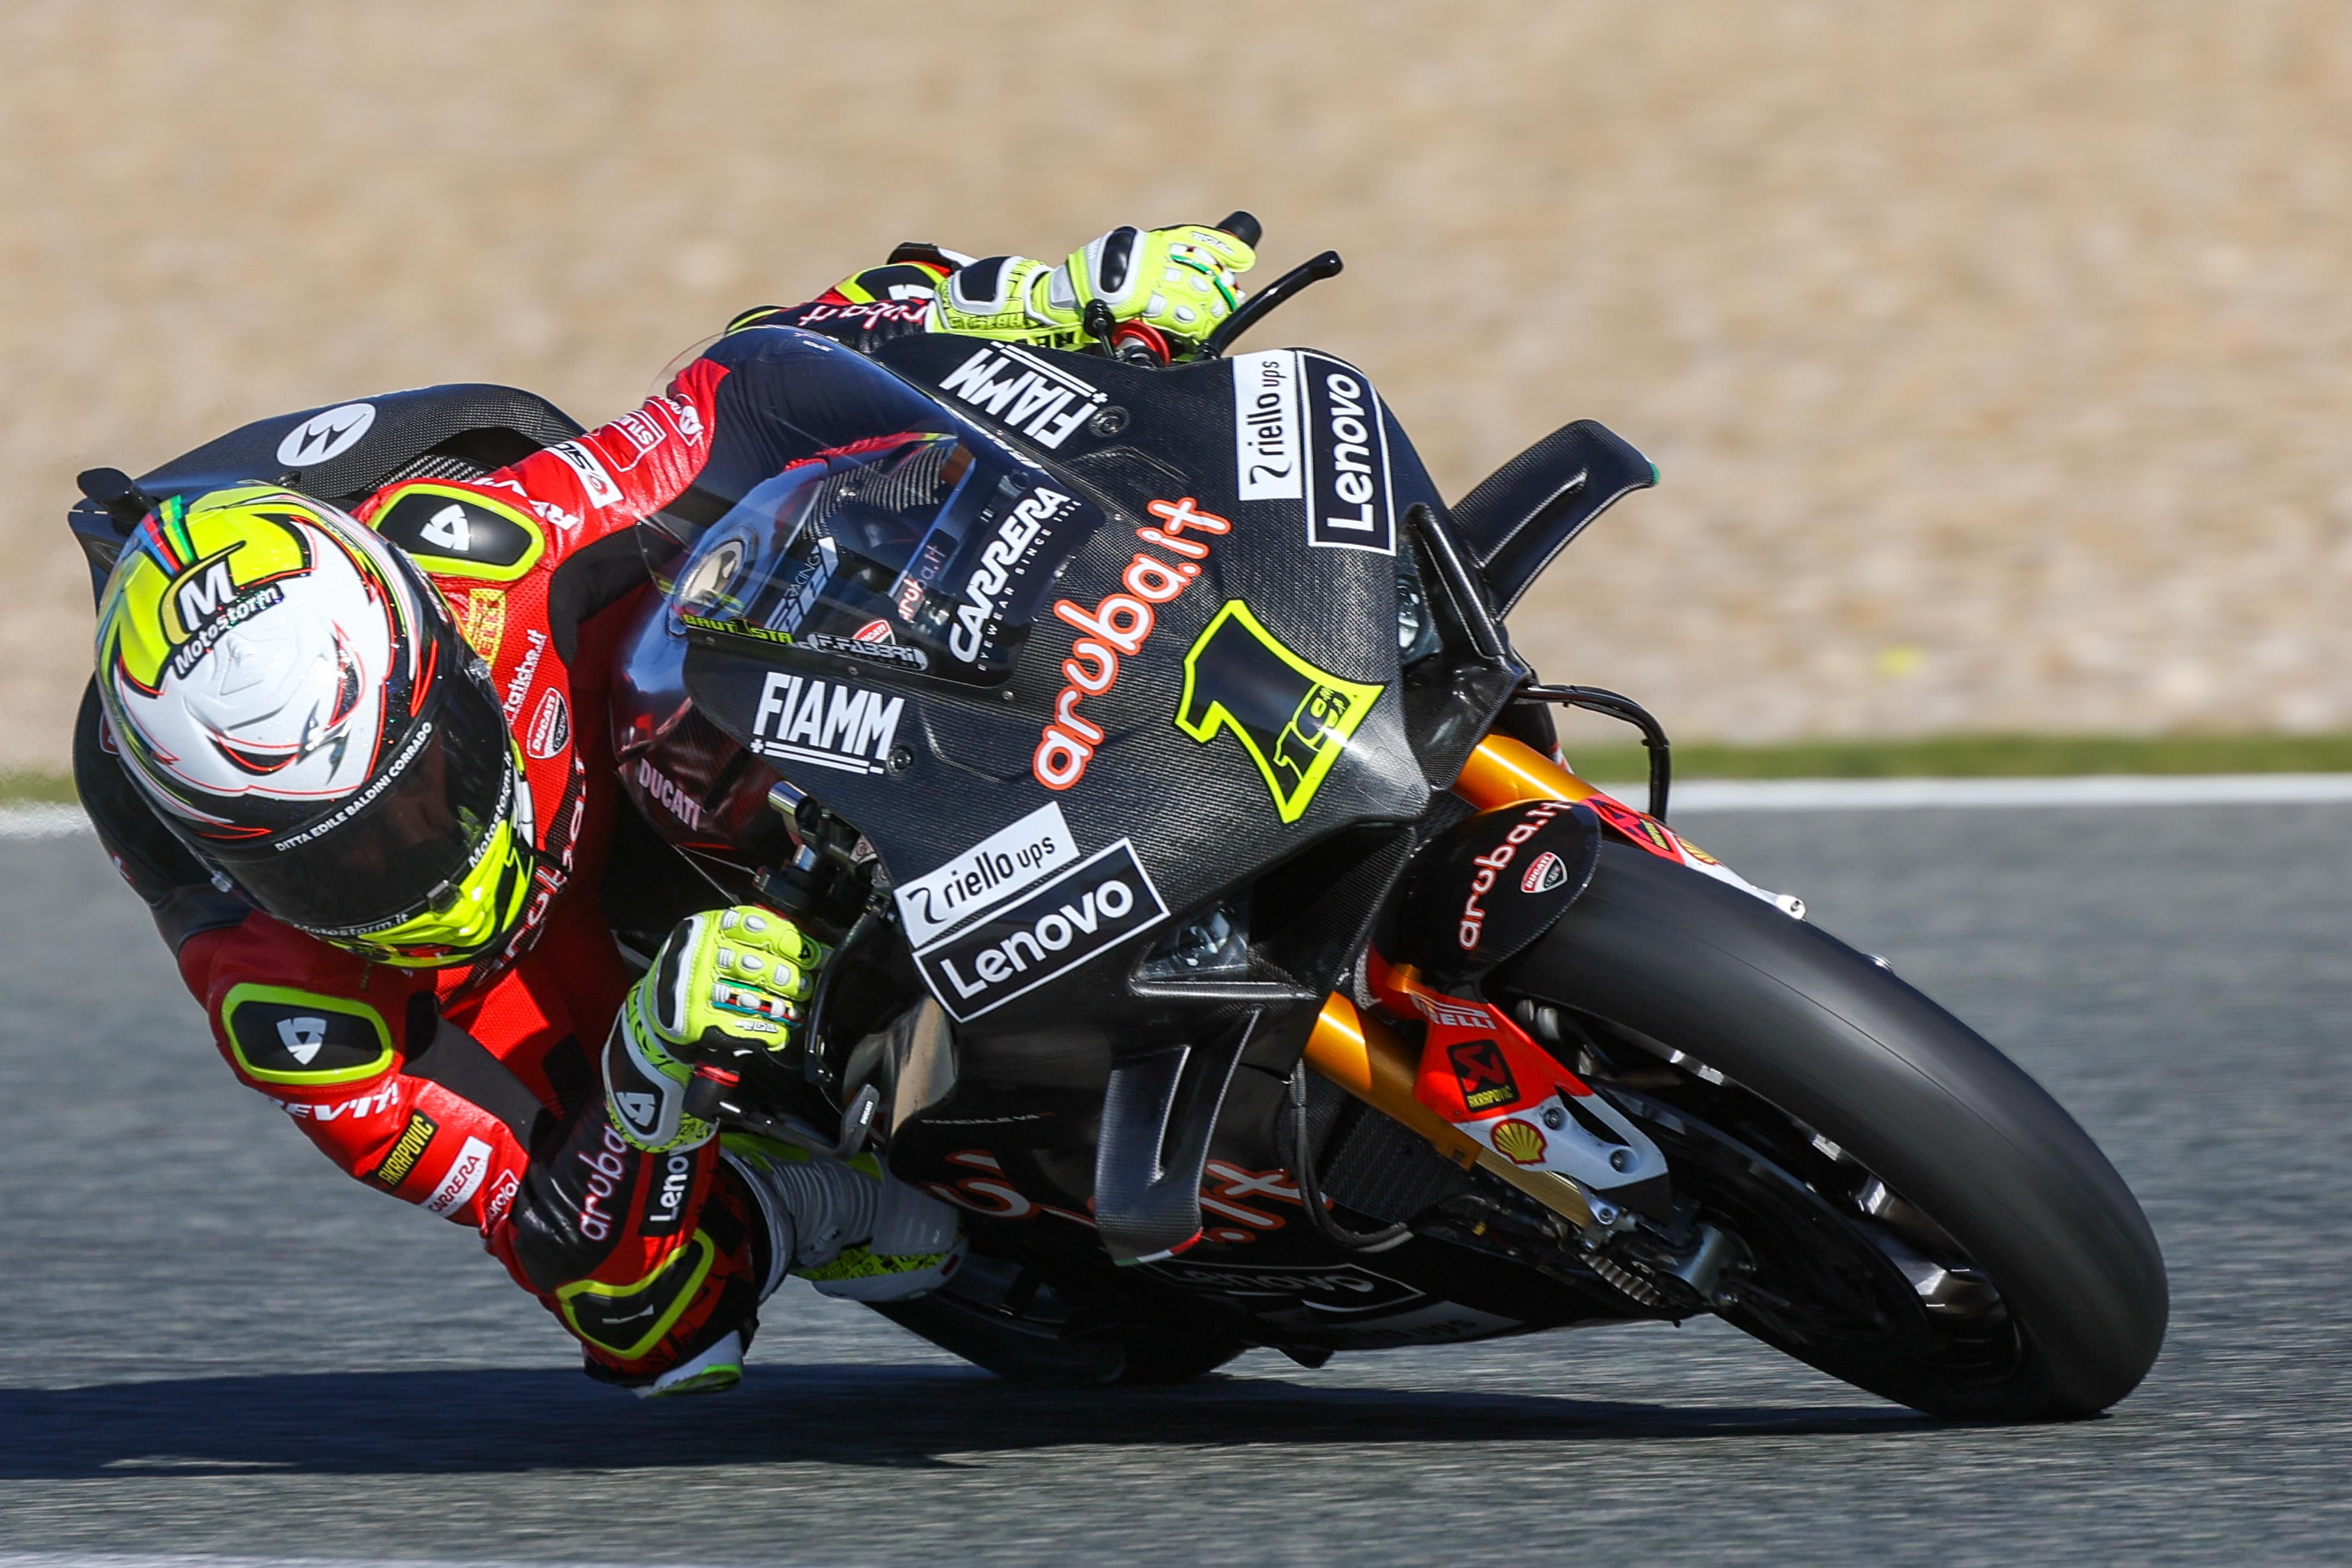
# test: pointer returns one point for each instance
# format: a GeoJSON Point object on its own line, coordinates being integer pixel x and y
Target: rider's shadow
{"type": "Point", "coordinates": [421, 1422]}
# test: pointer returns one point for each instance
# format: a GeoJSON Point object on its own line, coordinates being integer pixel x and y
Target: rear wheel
{"type": "Point", "coordinates": [1913, 1214]}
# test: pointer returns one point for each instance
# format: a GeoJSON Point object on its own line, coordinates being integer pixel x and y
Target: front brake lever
{"type": "Point", "coordinates": [1256, 306]}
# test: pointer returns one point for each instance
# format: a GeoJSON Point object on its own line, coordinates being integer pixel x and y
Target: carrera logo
{"type": "Point", "coordinates": [827, 724]}
{"type": "Point", "coordinates": [1084, 913]}
{"type": "Point", "coordinates": [985, 876]}
{"type": "Point", "coordinates": [1349, 504]}
{"type": "Point", "coordinates": [1473, 924]}
{"type": "Point", "coordinates": [1118, 624]}
{"type": "Point", "coordinates": [551, 726]}
{"type": "Point", "coordinates": [1548, 871]}
{"type": "Point", "coordinates": [991, 582]}
{"type": "Point", "coordinates": [1024, 392]}
{"type": "Point", "coordinates": [472, 1164]}
{"type": "Point", "coordinates": [1267, 464]}
{"type": "Point", "coordinates": [669, 796]}
{"type": "Point", "coordinates": [327, 434]}
{"type": "Point", "coordinates": [1483, 1073]}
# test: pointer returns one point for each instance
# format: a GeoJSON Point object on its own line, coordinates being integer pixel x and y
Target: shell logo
{"type": "Point", "coordinates": [1521, 1142]}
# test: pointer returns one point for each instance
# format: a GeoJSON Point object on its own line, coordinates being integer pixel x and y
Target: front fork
{"type": "Point", "coordinates": [1482, 1092]}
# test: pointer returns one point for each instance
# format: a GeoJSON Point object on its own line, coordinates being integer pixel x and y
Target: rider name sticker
{"type": "Point", "coordinates": [1003, 863]}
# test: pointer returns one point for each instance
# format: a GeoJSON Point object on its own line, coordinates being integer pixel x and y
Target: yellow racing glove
{"type": "Point", "coordinates": [724, 985]}
{"type": "Point", "coordinates": [1182, 281]}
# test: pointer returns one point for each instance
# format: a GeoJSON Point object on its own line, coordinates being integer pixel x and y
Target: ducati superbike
{"type": "Point", "coordinates": [1217, 926]}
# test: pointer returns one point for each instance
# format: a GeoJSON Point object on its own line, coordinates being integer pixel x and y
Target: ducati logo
{"type": "Point", "coordinates": [326, 434]}
{"type": "Point", "coordinates": [1548, 872]}
{"type": "Point", "coordinates": [303, 1037]}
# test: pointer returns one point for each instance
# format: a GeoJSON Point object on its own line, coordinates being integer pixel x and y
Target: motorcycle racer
{"type": "Point", "coordinates": [358, 766]}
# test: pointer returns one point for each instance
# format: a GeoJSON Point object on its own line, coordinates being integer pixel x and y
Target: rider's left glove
{"type": "Point", "coordinates": [1182, 280]}
{"type": "Point", "coordinates": [726, 984]}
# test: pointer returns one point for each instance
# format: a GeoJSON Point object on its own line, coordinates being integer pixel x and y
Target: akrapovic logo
{"type": "Point", "coordinates": [1084, 913]}
{"type": "Point", "coordinates": [827, 724]}
{"type": "Point", "coordinates": [1266, 463]}
{"type": "Point", "coordinates": [1038, 399]}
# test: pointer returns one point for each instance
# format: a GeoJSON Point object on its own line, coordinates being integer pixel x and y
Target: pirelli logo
{"type": "Point", "coordinates": [405, 1151]}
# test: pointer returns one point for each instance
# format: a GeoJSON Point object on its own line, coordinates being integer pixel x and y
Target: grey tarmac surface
{"type": "Point", "coordinates": [216, 1346]}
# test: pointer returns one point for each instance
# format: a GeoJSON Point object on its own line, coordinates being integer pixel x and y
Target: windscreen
{"type": "Point", "coordinates": [874, 523]}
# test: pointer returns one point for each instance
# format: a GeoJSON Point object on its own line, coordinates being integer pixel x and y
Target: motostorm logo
{"type": "Point", "coordinates": [1087, 910]}
{"type": "Point", "coordinates": [1472, 923]}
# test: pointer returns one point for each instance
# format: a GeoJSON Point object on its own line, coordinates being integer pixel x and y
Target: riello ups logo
{"type": "Point", "coordinates": [1309, 428]}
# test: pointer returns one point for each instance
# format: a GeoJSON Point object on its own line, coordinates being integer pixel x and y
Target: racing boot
{"type": "Point", "coordinates": [847, 1227]}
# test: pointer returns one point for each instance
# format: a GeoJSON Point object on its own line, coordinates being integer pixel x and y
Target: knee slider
{"type": "Point", "coordinates": [628, 1320]}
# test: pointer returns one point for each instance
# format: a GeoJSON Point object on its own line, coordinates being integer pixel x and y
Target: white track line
{"type": "Point", "coordinates": [1895, 794]}
{"type": "Point", "coordinates": [1772, 795]}
{"type": "Point", "coordinates": [41, 822]}
{"type": "Point", "coordinates": [177, 1560]}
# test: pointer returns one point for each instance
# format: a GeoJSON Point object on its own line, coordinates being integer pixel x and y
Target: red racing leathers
{"type": "Point", "coordinates": [474, 1090]}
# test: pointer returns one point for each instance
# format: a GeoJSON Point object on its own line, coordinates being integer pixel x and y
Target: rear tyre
{"type": "Point", "coordinates": [1840, 1073]}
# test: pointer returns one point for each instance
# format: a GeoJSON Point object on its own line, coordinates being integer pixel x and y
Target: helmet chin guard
{"type": "Point", "coordinates": [293, 698]}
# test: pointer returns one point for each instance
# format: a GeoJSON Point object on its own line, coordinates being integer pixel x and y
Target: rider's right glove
{"type": "Point", "coordinates": [728, 982]}
{"type": "Point", "coordinates": [1182, 281]}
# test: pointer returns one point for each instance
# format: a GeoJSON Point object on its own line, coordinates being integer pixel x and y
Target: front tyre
{"type": "Point", "coordinates": [1921, 1219]}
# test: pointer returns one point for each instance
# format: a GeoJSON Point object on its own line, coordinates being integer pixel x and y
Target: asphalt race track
{"type": "Point", "coordinates": [217, 1347]}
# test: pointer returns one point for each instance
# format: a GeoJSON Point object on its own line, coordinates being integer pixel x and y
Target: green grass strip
{"type": "Point", "coordinates": [1982, 757]}
{"type": "Point", "coordinates": [1925, 757]}
{"type": "Point", "coordinates": [26, 787]}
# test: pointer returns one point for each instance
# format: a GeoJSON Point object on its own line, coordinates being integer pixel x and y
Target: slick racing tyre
{"type": "Point", "coordinates": [1915, 1215]}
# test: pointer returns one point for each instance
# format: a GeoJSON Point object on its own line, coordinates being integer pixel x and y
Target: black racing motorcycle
{"type": "Point", "coordinates": [1218, 929]}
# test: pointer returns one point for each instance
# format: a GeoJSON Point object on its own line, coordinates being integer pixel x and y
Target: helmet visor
{"type": "Point", "coordinates": [408, 838]}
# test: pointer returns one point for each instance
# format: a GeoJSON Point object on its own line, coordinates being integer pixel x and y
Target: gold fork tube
{"type": "Point", "coordinates": [1503, 773]}
{"type": "Point", "coordinates": [1363, 1058]}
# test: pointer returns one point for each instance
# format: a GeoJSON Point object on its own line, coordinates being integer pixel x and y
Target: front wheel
{"type": "Point", "coordinates": [1914, 1215]}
